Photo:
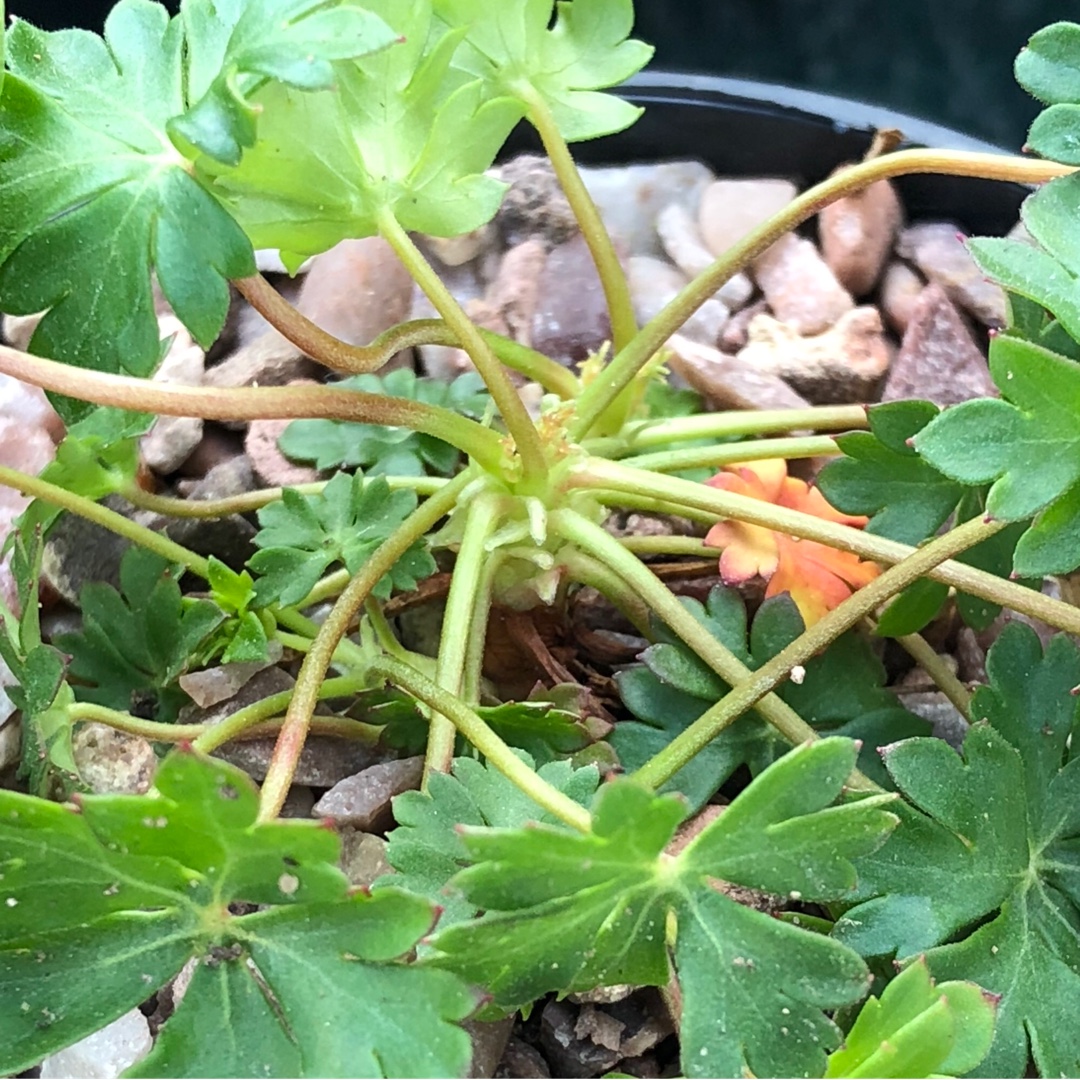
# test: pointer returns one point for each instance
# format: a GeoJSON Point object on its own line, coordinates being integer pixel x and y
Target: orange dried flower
{"type": "Point", "coordinates": [816, 576]}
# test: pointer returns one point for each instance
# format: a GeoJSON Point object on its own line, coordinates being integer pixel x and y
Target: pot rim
{"type": "Point", "coordinates": [840, 113]}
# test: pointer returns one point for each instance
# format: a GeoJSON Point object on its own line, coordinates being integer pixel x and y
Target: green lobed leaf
{"type": "Point", "coordinates": [134, 644]}
{"type": "Point", "coordinates": [1025, 444]}
{"type": "Point", "coordinates": [1048, 67]}
{"type": "Point", "coordinates": [402, 134]}
{"type": "Point", "coordinates": [983, 874]}
{"type": "Point", "coordinates": [881, 475]}
{"type": "Point", "coordinates": [301, 536]}
{"type": "Point", "coordinates": [387, 451]}
{"type": "Point", "coordinates": [133, 887]}
{"type": "Point", "coordinates": [842, 691]}
{"type": "Point", "coordinates": [426, 848]}
{"type": "Point", "coordinates": [917, 1028]}
{"type": "Point", "coordinates": [563, 53]}
{"type": "Point", "coordinates": [93, 180]}
{"type": "Point", "coordinates": [568, 911]}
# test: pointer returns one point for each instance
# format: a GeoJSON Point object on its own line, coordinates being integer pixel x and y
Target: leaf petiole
{"type": "Point", "coordinates": [731, 453]}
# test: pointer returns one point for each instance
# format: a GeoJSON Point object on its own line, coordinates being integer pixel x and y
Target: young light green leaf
{"type": "Point", "coordinates": [521, 51]}
{"type": "Point", "coordinates": [1027, 444]}
{"type": "Point", "coordinates": [426, 848]}
{"type": "Point", "coordinates": [134, 644]}
{"type": "Point", "coordinates": [303, 535]}
{"type": "Point", "coordinates": [400, 134]}
{"type": "Point", "coordinates": [238, 46]}
{"type": "Point", "coordinates": [842, 692]}
{"type": "Point", "coordinates": [135, 886]}
{"type": "Point", "coordinates": [918, 1028]}
{"type": "Point", "coordinates": [386, 451]}
{"type": "Point", "coordinates": [566, 911]}
{"type": "Point", "coordinates": [996, 831]}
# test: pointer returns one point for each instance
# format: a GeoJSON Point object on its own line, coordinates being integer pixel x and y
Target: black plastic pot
{"type": "Point", "coordinates": [744, 128]}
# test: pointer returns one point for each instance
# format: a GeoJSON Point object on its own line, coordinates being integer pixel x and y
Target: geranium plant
{"type": "Point", "coordinates": [168, 150]}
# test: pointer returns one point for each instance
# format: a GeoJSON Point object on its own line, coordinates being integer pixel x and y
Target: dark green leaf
{"type": "Point", "coordinates": [996, 833]}
{"type": "Point", "coordinates": [882, 476]}
{"type": "Point", "coordinates": [1026, 444]}
{"type": "Point", "coordinates": [135, 644]}
{"type": "Point", "coordinates": [672, 688]}
{"type": "Point", "coordinates": [132, 887]}
{"type": "Point", "coordinates": [566, 911]}
{"type": "Point", "coordinates": [426, 848]}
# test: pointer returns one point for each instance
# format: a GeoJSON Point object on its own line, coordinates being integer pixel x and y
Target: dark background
{"type": "Point", "coordinates": [946, 60]}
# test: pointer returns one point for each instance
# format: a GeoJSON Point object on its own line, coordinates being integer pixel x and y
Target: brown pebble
{"type": "Point", "coordinates": [938, 359]}
{"type": "Point", "coordinates": [730, 209]}
{"type": "Point", "coordinates": [940, 251]}
{"type": "Point", "coordinates": [268, 463]}
{"type": "Point", "coordinates": [843, 365]}
{"type": "Point", "coordinates": [363, 800]}
{"type": "Point", "coordinates": [901, 287]}
{"type": "Point", "coordinates": [856, 234]}
{"type": "Point", "coordinates": [729, 382]}
{"type": "Point", "coordinates": [800, 288]}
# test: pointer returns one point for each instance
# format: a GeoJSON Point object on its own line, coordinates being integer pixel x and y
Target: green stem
{"type": "Point", "coordinates": [518, 423]}
{"type": "Point", "coordinates": [498, 753]}
{"type": "Point", "coordinates": [208, 737]}
{"type": "Point", "coordinates": [629, 361]}
{"type": "Point", "coordinates": [740, 423]}
{"type": "Point", "coordinates": [594, 541]}
{"type": "Point", "coordinates": [746, 692]}
{"type": "Point", "coordinates": [731, 453]}
{"type": "Point", "coordinates": [473, 671]}
{"type": "Point", "coordinates": [313, 670]}
{"type": "Point", "coordinates": [482, 516]}
{"type": "Point", "coordinates": [360, 359]}
{"type": "Point", "coordinates": [250, 501]}
{"type": "Point", "coordinates": [612, 277]}
{"type": "Point", "coordinates": [586, 570]}
{"type": "Point", "coordinates": [668, 545]}
{"type": "Point", "coordinates": [384, 634]}
{"type": "Point", "coordinates": [683, 495]}
{"type": "Point", "coordinates": [347, 654]}
{"type": "Point", "coordinates": [920, 650]}
{"type": "Point", "coordinates": [106, 518]}
{"type": "Point", "coordinates": [257, 403]}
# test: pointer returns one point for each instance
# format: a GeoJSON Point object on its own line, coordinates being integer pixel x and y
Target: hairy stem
{"type": "Point", "coordinates": [480, 521]}
{"type": "Point", "coordinates": [106, 518]}
{"type": "Point", "coordinates": [245, 722]}
{"type": "Point", "coordinates": [612, 277]}
{"type": "Point", "coordinates": [256, 403]}
{"type": "Point", "coordinates": [313, 670]}
{"type": "Point", "coordinates": [731, 453]}
{"type": "Point", "coordinates": [600, 394]}
{"type": "Point", "coordinates": [750, 690]}
{"type": "Point", "coordinates": [680, 496]}
{"type": "Point", "coordinates": [497, 752]}
{"type": "Point", "coordinates": [725, 425]}
{"type": "Point", "coordinates": [250, 501]}
{"type": "Point", "coordinates": [586, 570]}
{"type": "Point", "coordinates": [362, 359]}
{"type": "Point", "coordinates": [518, 423]}
{"type": "Point", "coordinates": [594, 541]}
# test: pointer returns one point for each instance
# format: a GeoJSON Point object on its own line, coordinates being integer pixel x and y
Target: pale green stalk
{"type": "Point", "coordinates": [717, 457]}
